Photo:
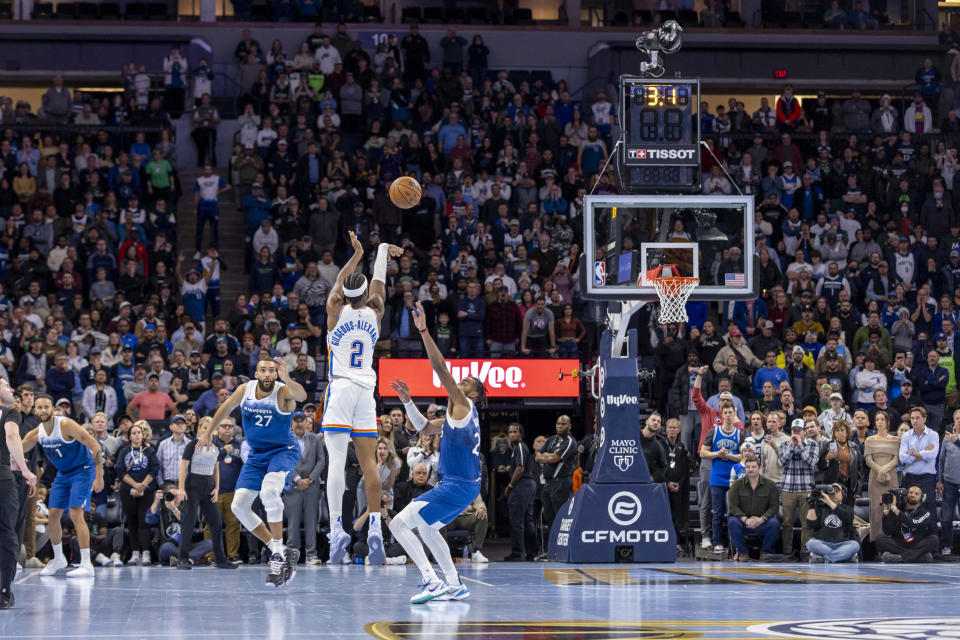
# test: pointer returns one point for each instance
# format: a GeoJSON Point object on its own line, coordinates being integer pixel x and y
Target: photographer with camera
{"type": "Point", "coordinates": [908, 528]}
{"type": "Point", "coordinates": [830, 521]}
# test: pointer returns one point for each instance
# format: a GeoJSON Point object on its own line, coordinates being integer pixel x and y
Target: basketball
{"type": "Point", "coordinates": [405, 192]}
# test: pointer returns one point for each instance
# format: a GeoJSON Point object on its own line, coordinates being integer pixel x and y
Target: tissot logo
{"type": "Point", "coordinates": [661, 154]}
{"type": "Point", "coordinates": [637, 154]}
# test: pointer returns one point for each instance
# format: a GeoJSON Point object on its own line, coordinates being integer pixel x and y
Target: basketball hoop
{"type": "Point", "coordinates": [673, 292]}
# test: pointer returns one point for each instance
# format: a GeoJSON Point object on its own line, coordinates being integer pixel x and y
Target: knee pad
{"type": "Point", "coordinates": [242, 508]}
{"type": "Point", "coordinates": [270, 495]}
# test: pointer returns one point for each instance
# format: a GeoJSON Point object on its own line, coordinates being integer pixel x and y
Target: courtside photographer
{"type": "Point", "coordinates": [831, 524]}
{"type": "Point", "coordinates": [908, 528]}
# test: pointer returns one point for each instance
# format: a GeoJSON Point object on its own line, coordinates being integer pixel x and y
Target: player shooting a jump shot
{"type": "Point", "coordinates": [458, 468]}
{"type": "Point", "coordinates": [349, 410]}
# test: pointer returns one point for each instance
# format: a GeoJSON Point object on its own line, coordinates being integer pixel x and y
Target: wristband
{"type": "Point", "coordinates": [510, 486]}
{"type": "Point", "coordinates": [422, 331]}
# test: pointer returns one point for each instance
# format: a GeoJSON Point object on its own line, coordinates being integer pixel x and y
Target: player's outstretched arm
{"type": "Point", "coordinates": [417, 419]}
{"type": "Point", "coordinates": [227, 407]}
{"type": "Point", "coordinates": [73, 430]}
{"type": "Point", "coordinates": [294, 390]}
{"type": "Point", "coordinates": [335, 299]}
{"type": "Point", "coordinates": [30, 440]}
{"type": "Point", "coordinates": [378, 288]}
{"type": "Point", "coordinates": [459, 405]}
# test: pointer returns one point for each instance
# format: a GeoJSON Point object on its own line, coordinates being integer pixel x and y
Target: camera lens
{"type": "Point", "coordinates": [169, 497]}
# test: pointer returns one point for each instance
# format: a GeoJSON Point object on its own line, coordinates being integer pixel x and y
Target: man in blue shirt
{"type": "Point", "coordinates": [771, 372]}
{"type": "Point", "coordinates": [471, 311]}
{"type": "Point", "coordinates": [919, 448]}
{"type": "Point", "coordinates": [932, 383]}
{"type": "Point", "coordinates": [207, 403]}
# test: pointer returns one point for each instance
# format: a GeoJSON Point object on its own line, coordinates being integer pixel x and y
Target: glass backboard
{"type": "Point", "coordinates": [708, 237]}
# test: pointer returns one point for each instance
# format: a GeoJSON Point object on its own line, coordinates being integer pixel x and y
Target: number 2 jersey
{"type": "Point", "coordinates": [350, 345]}
{"type": "Point", "coordinates": [265, 427]}
{"type": "Point", "coordinates": [460, 448]}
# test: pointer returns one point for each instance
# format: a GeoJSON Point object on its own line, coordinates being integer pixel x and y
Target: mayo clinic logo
{"type": "Point", "coordinates": [624, 508]}
{"type": "Point", "coordinates": [623, 462]}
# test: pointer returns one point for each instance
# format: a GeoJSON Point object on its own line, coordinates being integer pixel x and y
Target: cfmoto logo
{"type": "Point", "coordinates": [624, 508]}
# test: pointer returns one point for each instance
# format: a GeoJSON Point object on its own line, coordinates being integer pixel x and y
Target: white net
{"type": "Point", "coordinates": [673, 294]}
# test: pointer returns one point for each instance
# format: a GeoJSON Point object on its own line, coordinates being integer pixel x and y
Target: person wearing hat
{"type": "Point", "coordinates": [800, 375]}
{"type": "Point", "coordinates": [837, 411]}
{"type": "Point", "coordinates": [799, 458]}
{"type": "Point", "coordinates": [151, 404]}
{"type": "Point", "coordinates": [736, 346]}
{"type": "Point", "coordinates": [301, 502]}
{"type": "Point", "coordinates": [830, 521]}
{"type": "Point", "coordinates": [907, 399]}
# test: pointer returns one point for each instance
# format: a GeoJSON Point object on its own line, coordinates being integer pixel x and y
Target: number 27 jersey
{"type": "Point", "coordinates": [350, 346]}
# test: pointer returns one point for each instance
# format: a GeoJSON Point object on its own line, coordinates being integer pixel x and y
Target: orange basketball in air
{"type": "Point", "coordinates": [405, 192]}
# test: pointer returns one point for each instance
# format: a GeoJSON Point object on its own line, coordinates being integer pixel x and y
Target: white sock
{"type": "Point", "coordinates": [84, 557]}
{"type": "Point", "coordinates": [411, 544]}
{"type": "Point", "coordinates": [374, 523]}
{"type": "Point", "coordinates": [441, 553]}
{"type": "Point", "coordinates": [58, 553]}
{"type": "Point", "coordinates": [276, 546]}
{"type": "Point", "coordinates": [337, 524]}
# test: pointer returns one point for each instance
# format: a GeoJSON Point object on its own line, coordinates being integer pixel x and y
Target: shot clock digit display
{"type": "Point", "coordinates": [662, 134]}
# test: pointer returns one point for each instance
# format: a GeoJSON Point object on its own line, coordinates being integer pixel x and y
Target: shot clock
{"type": "Point", "coordinates": [661, 148]}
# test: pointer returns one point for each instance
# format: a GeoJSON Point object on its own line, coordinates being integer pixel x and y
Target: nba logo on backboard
{"type": "Point", "coordinates": [599, 273]}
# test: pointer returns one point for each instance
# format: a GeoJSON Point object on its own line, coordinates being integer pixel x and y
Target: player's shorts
{"type": "Point", "coordinates": [72, 489]}
{"type": "Point", "coordinates": [258, 465]}
{"type": "Point", "coordinates": [446, 501]}
{"type": "Point", "coordinates": [349, 408]}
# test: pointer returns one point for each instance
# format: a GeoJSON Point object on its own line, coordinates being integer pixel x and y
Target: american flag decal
{"type": "Point", "coordinates": [734, 280]}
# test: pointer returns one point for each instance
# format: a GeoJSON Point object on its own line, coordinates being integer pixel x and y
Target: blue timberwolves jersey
{"type": "Point", "coordinates": [265, 426]}
{"type": "Point", "coordinates": [720, 468]}
{"type": "Point", "coordinates": [65, 456]}
{"type": "Point", "coordinates": [460, 448]}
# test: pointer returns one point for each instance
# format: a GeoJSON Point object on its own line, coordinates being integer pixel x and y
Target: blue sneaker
{"type": "Point", "coordinates": [339, 541]}
{"type": "Point", "coordinates": [429, 591]}
{"type": "Point", "coordinates": [376, 555]}
{"type": "Point", "coordinates": [456, 593]}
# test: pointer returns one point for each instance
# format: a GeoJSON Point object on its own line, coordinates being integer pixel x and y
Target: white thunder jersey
{"type": "Point", "coordinates": [350, 346]}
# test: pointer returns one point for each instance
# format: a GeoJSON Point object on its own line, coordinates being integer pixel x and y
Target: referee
{"type": "Point", "coordinates": [559, 459]}
{"type": "Point", "coordinates": [520, 494]}
{"type": "Point", "coordinates": [11, 447]}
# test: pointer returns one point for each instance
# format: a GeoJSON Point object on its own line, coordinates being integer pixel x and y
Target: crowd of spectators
{"type": "Point", "coordinates": [858, 252]}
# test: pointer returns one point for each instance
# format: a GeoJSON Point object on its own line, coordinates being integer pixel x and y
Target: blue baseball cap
{"type": "Point", "coordinates": [940, 336]}
{"type": "Point", "coordinates": [177, 418]}
{"type": "Point", "coordinates": [299, 415]}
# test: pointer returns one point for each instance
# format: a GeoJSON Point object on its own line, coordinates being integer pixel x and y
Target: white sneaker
{"type": "Point", "coordinates": [53, 566]}
{"type": "Point", "coordinates": [377, 554]}
{"type": "Point", "coordinates": [396, 560]}
{"type": "Point", "coordinates": [83, 571]}
{"type": "Point", "coordinates": [134, 558]}
{"type": "Point", "coordinates": [429, 591]}
{"type": "Point", "coordinates": [103, 560]}
{"type": "Point", "coordinates": [478, 557]}
{"type": "Point", "coordinates": [460, 592]}
{"type": "Point", "coordinates": [719, 549]}
{"type": "Point", "coordinates": [706, 543]}
{"type": "Point", "coordinates": [339, 541]}
{"type": "Point", "coordinates": [146, 559]}
{"type": "Point", "coordinates": [115, 560]}
{"type": "Point", "coordinates": [946, 551]}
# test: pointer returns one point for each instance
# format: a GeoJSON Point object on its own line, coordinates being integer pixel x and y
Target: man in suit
{"type": "Point", "coordinates": [301, 503]}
